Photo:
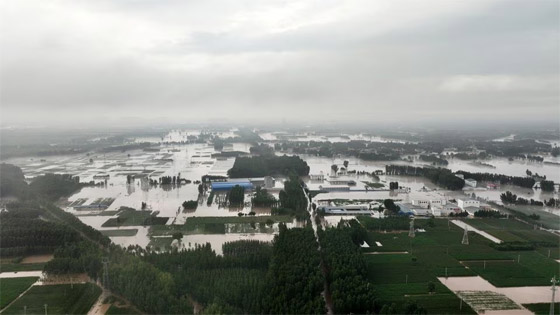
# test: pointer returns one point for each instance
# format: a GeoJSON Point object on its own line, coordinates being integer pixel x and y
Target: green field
{"type": "Point", "coordinates": [510, 230]}
{"type": "Point", "coordinates": [11, 288]}
{"type": "Point", "coordinates": [543, 308]}
{"type": "Point", "coordinates": [60, 299]}
{"type": "Point", "coordinates": [443, 301]}
{"type": "Point", "coordinates": [547, 219]}
{"type": "Point", "coordinates": [13, 267]}
{"type": "Point", "coordinates": [121, 232]}
{"type": "Point", "coordinates": [430, 253]}
{"type": "Point", "coordinates": [533, 269]}
{"type": "Point", "coordinates": [217, 225]}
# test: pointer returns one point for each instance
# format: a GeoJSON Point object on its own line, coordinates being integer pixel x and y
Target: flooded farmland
{"type": "Point", "coordinates": [170, 155]}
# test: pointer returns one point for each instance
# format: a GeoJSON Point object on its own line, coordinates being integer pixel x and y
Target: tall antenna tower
{"type": "Point", "coordinates": [554, 282]}
{"type": "Point", "coordinates": [105, 262]}
{"type": "Point", "coordinates": [411, 231]}
{"type": "Point", "coordinates": [465, 240]}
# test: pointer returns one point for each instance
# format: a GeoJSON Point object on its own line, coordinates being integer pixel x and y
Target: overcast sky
{"type": "Point", "coordinates": [189, 60]}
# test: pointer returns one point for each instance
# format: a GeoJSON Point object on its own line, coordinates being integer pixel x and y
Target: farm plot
{"type": "Point", "coordinates": [441, 301]}
{"type": "Point", "coordinates": [510, 230]}
{"type": "Point", "coordinates": [487, 301]}
{"type": "Point", "coordinates": [11, 288]}
{"type": "Point", "coordinates": [533, 269]}
{"type": "Point", "coordinates": [60, 299]}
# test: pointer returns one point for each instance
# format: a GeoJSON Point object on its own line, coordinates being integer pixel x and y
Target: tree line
{"type": "Point", "coordinates": [433, 159]}
{"type": "Point", "coordinates": [294, 281]}
{"type": "Point", "coordinates": [258, 166]}
{"type": "Point", "coordinates": [346, 268]}
{"type": "Point", "coordinates": [292, 200]}
{"type": "Point", "coordinates": [526, 182]}
{"type": "Point", "coordinates": [263, 199]}
{"type": "Point", "coordinates": [440, 176]}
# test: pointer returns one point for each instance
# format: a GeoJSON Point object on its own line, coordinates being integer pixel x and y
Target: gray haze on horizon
{"type": "Point", "coordinates": [75, 62]}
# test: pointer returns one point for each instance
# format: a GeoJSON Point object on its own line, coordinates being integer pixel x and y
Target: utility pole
{"type": "Point", "coordinates": [465, 240]}
{"type": "Point", "coordinates": [45, 305]}
{"type": "Point", "coordinates": [554, 282]}
{"type": "Point", "coordinates": [411, 231]}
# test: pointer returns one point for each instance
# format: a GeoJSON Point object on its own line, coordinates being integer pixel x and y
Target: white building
{"type": "Point", "coordinates": [346, 209]}
{"type": "Point", "coordinates": [341, 181]}
{"type": "Point", "coordinates": [421, 203]}
{"type": "Point", "coordinates": [269, 182]}
{"type": "Point", "coordinates": [422, 212]}
{"type": "Point", "coordinates": [329, 188]}
{"type": "Point", "coordinates": [437, 202]}
{"type": "Point", "coordinates": [436, 211]}
{"type": "Point", "coordinates": [468, 203]}
{"type": "Point", "coordinates": [318, 177]}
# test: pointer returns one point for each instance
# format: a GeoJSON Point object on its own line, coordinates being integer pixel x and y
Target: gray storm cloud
{"type": "Point", "coordinates": [77, 61]}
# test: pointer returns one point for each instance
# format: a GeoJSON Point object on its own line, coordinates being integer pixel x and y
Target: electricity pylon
{"type": "Point", "coordinates": [411, 231]}
{"type": "Point", "coordinates": [465, 240]}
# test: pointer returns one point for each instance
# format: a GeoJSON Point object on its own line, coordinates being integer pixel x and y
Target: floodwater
{"type": "Point", "coordinates": [464, 226]}
{"type": "Point", "coordinates": [169, 157]}
{"type": "Point", "coordinates": [318, 137]}
{"type": "Point", "coordinates": [217, 240]}
{"type": "Point", "coordinates": [520, 295]}
{"type": "Point", "coordinates": [506, 167]}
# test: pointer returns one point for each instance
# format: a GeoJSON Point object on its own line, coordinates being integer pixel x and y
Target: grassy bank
{"type": "Point", "coordinates": [60, 299]}
{"type": "Point", "coordinates": [123, 232]}
{"type": "Point", "coordinates": [13, 267]}
{"type": "Point", "coordinates": [11, 288]}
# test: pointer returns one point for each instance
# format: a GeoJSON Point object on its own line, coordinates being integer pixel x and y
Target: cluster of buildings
{"type": "Point", "coordinates": [337, 184]}
{"type": "Point", "coordinates": [441, 207]}
{"type": "Point", "coordinates": [417, 207]}
{"type": "Point", "coordinates": [350, 209]}
{"type": "Point", "coordinates": [331, 183]}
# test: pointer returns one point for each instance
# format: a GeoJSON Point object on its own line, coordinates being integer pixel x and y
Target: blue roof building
{"type": "Point", "coordinates": [229, 185]}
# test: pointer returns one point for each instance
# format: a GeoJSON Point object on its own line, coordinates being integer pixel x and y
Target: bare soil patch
{"type": "Point", "coordinates": [37, 259]}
